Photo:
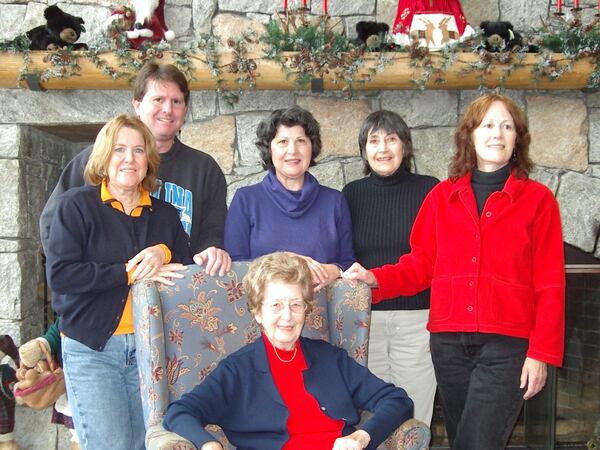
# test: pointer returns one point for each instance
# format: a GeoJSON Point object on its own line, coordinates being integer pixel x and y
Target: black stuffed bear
{"type": "Point", "coordinates": [500, 36]}
{"type": "Point", "coordinates": [364, 30]}
{"type": "Point", "coordinates": [61, 30]}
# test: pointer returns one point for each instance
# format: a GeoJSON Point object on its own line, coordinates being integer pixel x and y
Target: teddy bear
{"type": "Point", "coordinates": [500, 36]}
{"type": "Point", "coordinates": [8, 379]}
{"type": "Point", "coordinates": [61, 30]}
{"type": "Point", "coordinates": [370, 33]}
{"type": "Point", "coordinates": [147, 23]}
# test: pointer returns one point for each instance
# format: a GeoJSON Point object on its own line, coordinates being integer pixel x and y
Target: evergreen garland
{"type": "Point", "coordinates": [317, 50]}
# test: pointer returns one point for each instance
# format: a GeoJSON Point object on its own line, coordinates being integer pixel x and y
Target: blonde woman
{"type": "Point", "coordinates": [104, 236]}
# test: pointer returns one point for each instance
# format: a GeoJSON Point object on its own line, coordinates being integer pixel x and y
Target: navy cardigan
{"type": "Point", "coordinates": [90, 243]}
{"type": "Point", "coordinates": [241, 397]}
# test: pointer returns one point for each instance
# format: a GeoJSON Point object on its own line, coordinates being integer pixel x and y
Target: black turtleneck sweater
{"type": "Point", "coordinates": [484, 183]}
{"type": "Point", "coordinates": [383, 210]}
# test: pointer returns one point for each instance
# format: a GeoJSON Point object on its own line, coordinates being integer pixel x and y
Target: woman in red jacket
{"type": "Point", "coordinates": [489, 243]}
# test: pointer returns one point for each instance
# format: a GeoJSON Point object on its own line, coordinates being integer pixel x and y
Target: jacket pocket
{"type": "Point", "coordinates": [441, 299]}
{"type": "Point", "coordinates": [512, 304]}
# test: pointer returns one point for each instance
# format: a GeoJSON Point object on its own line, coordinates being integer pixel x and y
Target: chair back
{"type": "Point", "coordinates": [182, 332]}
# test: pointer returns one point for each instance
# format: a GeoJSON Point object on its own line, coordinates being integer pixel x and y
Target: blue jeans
{"type": "Point", "coordinates": [478, 379]}
{"type": "Point", "coordinates": [104, 392]}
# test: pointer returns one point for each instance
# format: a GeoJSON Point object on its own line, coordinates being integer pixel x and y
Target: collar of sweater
{"type": "Point", "coordinates": [399, 176]}
{"type": "Point", "coordinates": [291, 203]}
{"type": "Point", "coordinates": [167, 156]}
{"type": "Point", "coordinates": [495, 178]}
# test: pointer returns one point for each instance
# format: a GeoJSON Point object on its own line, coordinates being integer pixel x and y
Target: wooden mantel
{"type": "Point", "coordinates": [396, 75]}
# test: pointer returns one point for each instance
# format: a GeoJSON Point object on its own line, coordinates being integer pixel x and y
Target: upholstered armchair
{"type": "Point", "coordinates": [184, 331]}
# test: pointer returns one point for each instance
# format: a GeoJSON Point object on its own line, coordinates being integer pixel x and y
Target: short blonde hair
{"type": "Point", "coordinates": [280, 266]}
{"type": "Point", "coordinates": [96, 167]}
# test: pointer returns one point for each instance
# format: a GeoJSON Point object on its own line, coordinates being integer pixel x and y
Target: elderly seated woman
{"type": "Point", "coordinates": [283, 390]}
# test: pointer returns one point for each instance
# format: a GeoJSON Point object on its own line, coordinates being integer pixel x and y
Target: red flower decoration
{"type": "Point", "coordinates": [176, 337]}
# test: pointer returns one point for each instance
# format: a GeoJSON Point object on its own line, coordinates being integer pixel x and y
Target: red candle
{"type": "Point", "coordinates": [304, 3]}
{"type": "Point", "coordinates": [285, 5]}
{"type": "Point", "coordinates": [325, 7]}
{"type": "Point", "coordinates": [558, 5]}
{"type": "Point", "coordinates": [575, 3]}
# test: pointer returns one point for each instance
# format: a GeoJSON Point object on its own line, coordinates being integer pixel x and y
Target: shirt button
{"type": "Point", "coordinates": [488, 214]}
{"type": "Point", "coordinates": [476, 236]}
{"type": "Point", "coordinates": [471, 283]}
{"type": "Point", "coordinates": [474, 259]}
{"type": "Point", "coordinates": [469, 308]}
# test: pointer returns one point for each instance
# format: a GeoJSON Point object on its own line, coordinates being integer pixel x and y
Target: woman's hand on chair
{"type": "Point", "coordinates": [212, 445]}
{"type": "Point", "coordinates": [165, 273]}
{"type": "Point", "coordinates": [355, 441]}
{"type": "Point", "coordinates": [356, 272]}
{"type": "Point", "coordinates": [146, 263]}
{"type": "Point", "coordinates": [322, 274]}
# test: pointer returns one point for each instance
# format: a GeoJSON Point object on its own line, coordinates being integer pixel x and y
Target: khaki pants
{"type": "Point", "coordinates": [399, 354]}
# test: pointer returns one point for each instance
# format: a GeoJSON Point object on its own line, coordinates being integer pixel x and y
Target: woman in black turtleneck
{"type": "Point", "coordinates": [489, 243]}
{"type": "Point", "coordinates": [383, 207]}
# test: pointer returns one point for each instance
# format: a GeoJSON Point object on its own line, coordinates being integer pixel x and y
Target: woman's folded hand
{"type": "Point", "coordinates": [355, 441]}
{"type": "Point", "coordinates": [146, 263]}
{"type": "Point", "coordinates": [165, 273]}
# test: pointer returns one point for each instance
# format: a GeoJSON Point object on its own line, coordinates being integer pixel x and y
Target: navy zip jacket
{"type": "Point", "coordinates": [241, 397]}
{"type": "Point", "coordinates": [90, 243]}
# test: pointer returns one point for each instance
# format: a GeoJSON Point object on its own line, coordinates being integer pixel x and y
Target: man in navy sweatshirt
{"type": "Point", "coordinates": [190, 179]}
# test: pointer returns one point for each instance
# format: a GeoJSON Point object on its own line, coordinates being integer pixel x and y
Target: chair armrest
{"type": "Point", "coordinates": [411, 435]}
{"type": "Point", "coordinates": [157, 438]}
{"type": "Point", "coordinates": [150, 354]}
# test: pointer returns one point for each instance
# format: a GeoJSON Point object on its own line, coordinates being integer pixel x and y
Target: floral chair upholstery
{"type": "Point", "coordinates": [184, 331]}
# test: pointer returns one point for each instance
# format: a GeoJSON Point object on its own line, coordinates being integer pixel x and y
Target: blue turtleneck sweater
{"type": "Point", "coordinates": [266, 217]}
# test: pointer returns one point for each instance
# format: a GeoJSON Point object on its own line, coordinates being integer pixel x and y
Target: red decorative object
{"type": "Point", "coordinates": [325, 7]}
{"type": "Point", "coordinates": [434, 23]}
{"type": "Point", "coordinates": [147, 23]}
{"type": "Point", "coordinates": [285, 5]}
{"type": "Point", "coordinates": [559, 6]}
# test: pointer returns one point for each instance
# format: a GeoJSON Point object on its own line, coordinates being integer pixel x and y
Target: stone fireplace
{"type": "Point", "coordinates": [41, 131]}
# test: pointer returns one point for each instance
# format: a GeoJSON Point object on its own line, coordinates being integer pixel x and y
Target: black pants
{"type": "Point", "coordinates": [478, 379]}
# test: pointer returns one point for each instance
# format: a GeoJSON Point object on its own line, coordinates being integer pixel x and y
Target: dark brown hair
{"type": "Point", "coordinates": [465, 158]}
{"type": "Point", "coordinates": [163, 73]}
{"type": "Point", "coordinates": [391, 123]}
{"type": "Point", "coordinates": [288, 117]}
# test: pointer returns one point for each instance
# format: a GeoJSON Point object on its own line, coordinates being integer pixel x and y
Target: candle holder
{"type": "Point", "coordinates": [555, 7]}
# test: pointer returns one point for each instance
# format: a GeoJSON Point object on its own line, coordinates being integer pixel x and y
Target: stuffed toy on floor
{"type": "Point", "coordinates": [7, 398]}
{"type": "Point", "coordinates": [61, 30]}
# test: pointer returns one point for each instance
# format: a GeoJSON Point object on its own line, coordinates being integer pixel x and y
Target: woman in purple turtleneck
{"type": "Point", "coordinates": [289, 210]}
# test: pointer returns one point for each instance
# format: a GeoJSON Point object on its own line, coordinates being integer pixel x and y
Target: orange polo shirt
{"type": "Point", "coordinates": [126, 324]}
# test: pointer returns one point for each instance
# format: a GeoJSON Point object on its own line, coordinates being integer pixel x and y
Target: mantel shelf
{"type": "Point", "coordinates": [397, 74]}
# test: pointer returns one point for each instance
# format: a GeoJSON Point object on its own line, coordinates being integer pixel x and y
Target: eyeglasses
{"type": "Point", "coordinates": [296, 307]}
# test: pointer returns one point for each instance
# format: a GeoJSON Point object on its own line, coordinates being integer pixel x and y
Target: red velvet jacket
{"type": "Point", "coordinates": [499, 273]}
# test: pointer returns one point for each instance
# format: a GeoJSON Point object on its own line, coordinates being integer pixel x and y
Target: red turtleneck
{"type": "Point", "coordinates": [307, 425]}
